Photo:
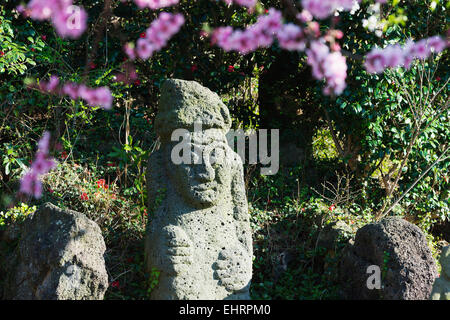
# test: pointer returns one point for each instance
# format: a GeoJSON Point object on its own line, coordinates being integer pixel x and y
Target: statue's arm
{"type": "Point", "coordinates": [234, 266]}
{"type": "Point", "coordinates": [437, 290]}
{"type": "Point", "coordinates": [240, 209]}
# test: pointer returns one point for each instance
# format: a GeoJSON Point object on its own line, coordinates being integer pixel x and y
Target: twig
{"type": "Point", "coordinates": [415, 183]}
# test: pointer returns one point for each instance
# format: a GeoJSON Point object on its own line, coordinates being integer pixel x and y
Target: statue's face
{"type": "Point", "coordinates": [207, 178]}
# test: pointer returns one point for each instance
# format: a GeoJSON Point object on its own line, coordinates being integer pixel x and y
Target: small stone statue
{"type": "Point", "coordinates": [198, 234]}
{"type": "Point", "coordinates": [58, 256]}
{"type": "Point", "coordinates": [441, 286]}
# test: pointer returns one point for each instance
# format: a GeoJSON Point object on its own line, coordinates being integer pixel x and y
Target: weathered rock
{"type": "Point", "coordinates": [198, 234]}
{"type": "Point", "coordinates": [59, 257]}
{"type": "Point", "coordinates": [441, 286]}
{"type": "Point", "coordinates": [400, 250]}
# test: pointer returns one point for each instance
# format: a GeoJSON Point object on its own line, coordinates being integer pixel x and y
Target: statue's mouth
{"type": "Point", "coordinates": [202, 187]}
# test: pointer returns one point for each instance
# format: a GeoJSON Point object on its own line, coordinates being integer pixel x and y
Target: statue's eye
{"type": "Point", "coordinates": [196, 153]}
{"type": "Point", "coordinates": [217, 156]}
{"type": "Point", "coordinates": [195, 157]}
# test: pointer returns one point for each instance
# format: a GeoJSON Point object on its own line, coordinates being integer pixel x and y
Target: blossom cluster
{"type": "Point", "coordinates": [69, 20]}
{"type": "Point", "coordinates": [327, 65]}
{"type": "Point", "coordinates": [322, 9]}
{"type": "Point", "coordinates": [377, 60]}
{"type": "Point", "coordinates": [93, 96]}
{"type": "Point", "coordinates": [30, 183]}
{"type": "Point", "coordinates": [243, 3]}
{"type": "Point", "coordinates": [155, 4]}
{"type": "Point", "coordinates": [260, 34]}
{"type": "Point", "coordinates": [291, 37]}
{"type": "Point", "coordinates": [156, 36]}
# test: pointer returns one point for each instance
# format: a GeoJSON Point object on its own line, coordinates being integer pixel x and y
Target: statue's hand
{"type": "Point", "coordinates": [233, 269]}
{"type": "Point", "coordinates": [179, 250]}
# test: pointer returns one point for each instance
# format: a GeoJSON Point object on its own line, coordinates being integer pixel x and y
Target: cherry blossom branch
{"type": "Point", "coordinates": [93, 96]}
{"type": "Point", "coordinates": [156, 36]}
{"type": "Point", "coordinates": [30, 183]}
{"type": "Point", "coordinates": [70, 21]}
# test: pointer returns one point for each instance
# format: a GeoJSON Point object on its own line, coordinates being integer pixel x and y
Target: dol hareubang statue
{"type": "Point", "coordinates": [441, 286]}
{"type": "Point", "coordinates": [198, 234]}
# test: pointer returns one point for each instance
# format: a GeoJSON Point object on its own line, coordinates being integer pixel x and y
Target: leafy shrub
{"type": "Point", "coordinates": [16, 214]}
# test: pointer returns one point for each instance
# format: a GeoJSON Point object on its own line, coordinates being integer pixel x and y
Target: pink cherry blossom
{"type": "Point", "coordinates": [322, 9]}
{"type": "Point", "coordinates": [156, 36]}
{"type": "Point", "coordinates": [335, 72]}
{"type": "Point", "coordinates": [70, 89]}
{"type": "Point", "coordinates": [69, 21]}
{"type": "Point", "coordinates": [145, 49]}
{"type": "Point", "coordinates": [93, 96]}
{"type": "Point", "coordinates": [394, 56]}
{"type": "Point", "coordinates": [243, 3]}
{"type": "Point", "coordinates": [304, 16]}
{"type": "Point", "coordinates": [291, 37]}
{"type": "Point", "coordinates": [155, 4]}
{"type": "Point", "coordinates": [96, 97]}
{"type": "Point", "coordinates": [260, 34]}
{"type": "Point", "coordinates": [316, 54]}
{"type": "Point", "coordinates": [329, 66]}
{"type": "Point", "coordinates": [40, 10]}
{"type": "Point", "coordinates": [419, 50]}
{"type": "Point", "coordinates": [30, 183]}
{"type": "Point", "coordinates": [377, 60]}
{"type": "Point", "coordinates": [437, 44]}
{"type": "Point", "coordinates": [50, 86]}
{"type": "Point", "coordinates": [44, 143]}
{"type": "Point", "coordinates": [221, 36]}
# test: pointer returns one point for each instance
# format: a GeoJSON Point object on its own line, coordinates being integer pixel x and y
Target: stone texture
{"type": "Point", "coordinates": [400, 250]}
{"type": "Point", "coordinates": [59, 257]}
{"type": "Point", "coordinates": [441, 286]}
{"type": "Point", "coordinates": [198, 234]}
{"type": "Point", "coordinates": [184, 102]}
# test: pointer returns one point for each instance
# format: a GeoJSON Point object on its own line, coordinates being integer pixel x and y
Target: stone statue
{"type": "Point", "coordinates": [441, 286]}
{"type": "Point", "coordinates": [198, 233]}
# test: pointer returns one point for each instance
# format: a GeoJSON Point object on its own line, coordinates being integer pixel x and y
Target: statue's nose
{"type": "Point", "coordinates": [205, 172]}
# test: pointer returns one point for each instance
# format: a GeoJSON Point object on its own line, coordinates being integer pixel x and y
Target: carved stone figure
{"type": "Point", "coordinates": [198, 233]}
{"type": "Point", "coordinates": [441, 286]}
